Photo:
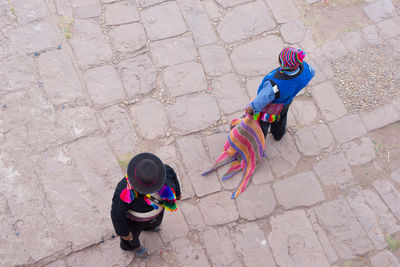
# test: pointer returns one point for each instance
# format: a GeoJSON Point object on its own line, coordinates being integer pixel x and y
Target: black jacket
{"type": "Point", "coordinates": [120, 208]}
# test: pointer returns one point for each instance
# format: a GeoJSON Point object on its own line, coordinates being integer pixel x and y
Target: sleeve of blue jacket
{"type": "Point", "coordinates": [264, 96]}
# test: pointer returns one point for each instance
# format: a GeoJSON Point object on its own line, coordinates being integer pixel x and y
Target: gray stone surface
{"type": "Point", "coordinates": [119, 130]}
{"type": "Point", "coordinates": [328, 101]}
{"type": "Point", "coordinates": [230, 94]}
{"type": "Point", "coordinates": [128, 38]}
{"type": "Point", "coordinates": [283, 11]}
{"type": "Point", "coordinates": [263, 174]}
{"type": "Point", "coordinates": [299, 190]}
{"type": "Point", "coordinates": [303, 111]}
{"type": "Point", "coordinates": [193, 113]}
{"type": "Point", "coordinates": [354, 42]}
{"type": "Point", "coordinates": [104, 85]}
{"type": "Point", "coordinates": [293, 241]}
{"type": "Point", "coordinates": [89, 44]}
{"type": "Point", "coordinates": [30, 10]}
{"type": "Point", "coordinates": [252, 85]}
{"type": "Point", "coordinates": [34, 37]}
{"type": "Point", "coordinates": [146, 3]}
{"type": "Point", "coordinates": [216, 144]}
{"type": "Point", "coordinates": [384, 258]}
{"type": "Point", "coordinates": [231, 3]}
{"type": "Point", "coordinates": [150, 108]}
{"type": "Point", "coordinates": [184, 79]}
{"type": "Point", "coordinates": [18, 73]}
{"type": "Point", "coordinates": [257, 57]}
{"type": "Point", "coordinates": [390, 195]}
{"type": "Point", "coordinates": [395, 175]}
{"type": "Point", "coordinates": [254, 19]}
{"type": "Point", "coordinates": [380, 10]}
{"type": "Point", "coordinates": [323, 69]}
{"type": "Point", "coordinates": [334, 50]}
{"type": "Point", "coordinates": [344, 231]}
{"type": "Point", "coordinates": [172, 51]}
{"type": "Point", "coordinates": [256, 202]}
{"type": "Point", "coordinates": [163, 21]}
{"type": "Point", "coordinates": [220, 247]}
{"type": "Point", "coordinates": [215, 60]}
{"type": "Point", "coordinates": [213, 10]}
{"type": "Point", "coordinates": [192, 215]}
{"type": "Point", "coordinates": [189, 253]}
{"type": "Point", "coordinates": [394, 45]}
{"type": "Point", "coordinates": [59, 78]}
{"type": "Point", "coordinates": [252, 244]}
{"type": "Point", "coordinates": [389, 28]}
{"type": "Point", "coordinates": [333, 170]}
{"type": "Point", "coordinates": [121, 13]}
{"type": "Point", "coordinates": [86, 12]}
{"type": "Point", "coordinates": [196, 161]}
{"type": "Point", "coordinates": [311, 141]}
{"type": "Point", "coordinates": [370, 34]}
{"type": "Point", "coordinates": [176, 225]}
{"type": "Point", "coordinates": [197, 19]}
{"type": "Point", "coordinates": [379, 117]}
{"type": "Point", "coordinates": [360, 154]}
{"type": "Point", "coordinates": [283, 155]}
{"type": "Point", "coordinates": [138, 75]}
{"type": "Point", "coordinates": [343, 133]}
{"type": "Point", "coordinates": [373, 215]}
{"type": "Point", "coordinates": [218, 209]}
{"type": "Point", "coordinates": [293, 32]}
{"type": "Point", "coordinates": [396, 104]}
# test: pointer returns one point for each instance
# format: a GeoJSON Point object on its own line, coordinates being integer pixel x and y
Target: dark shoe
{"type": "Point", "coordinates": [141, 252]}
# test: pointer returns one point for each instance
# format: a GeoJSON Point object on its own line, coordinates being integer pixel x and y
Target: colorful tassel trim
{"type": "Point", "coordinates": [128, 194]}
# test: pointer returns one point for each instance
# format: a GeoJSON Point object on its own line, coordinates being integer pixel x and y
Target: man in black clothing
{"type": "Point", "coordinates": [140, 199]}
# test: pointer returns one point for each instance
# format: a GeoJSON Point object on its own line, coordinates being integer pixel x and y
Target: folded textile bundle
{"type": "Point", "coordinates": [244, 149]}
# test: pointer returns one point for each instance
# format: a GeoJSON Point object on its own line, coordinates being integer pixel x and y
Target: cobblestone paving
{"type": "Point", "coordinates": [86, 84]}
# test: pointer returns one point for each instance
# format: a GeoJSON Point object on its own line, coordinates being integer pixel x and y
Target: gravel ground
{"type": "Point", "coordinates": [367, 79]}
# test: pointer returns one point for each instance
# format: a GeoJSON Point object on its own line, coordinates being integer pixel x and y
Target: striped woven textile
{"type": "Point", "coordinates": [244, 149]}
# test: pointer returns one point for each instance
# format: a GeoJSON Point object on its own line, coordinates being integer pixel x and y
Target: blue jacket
{"type": "Point", "coordinates": [289, 85]}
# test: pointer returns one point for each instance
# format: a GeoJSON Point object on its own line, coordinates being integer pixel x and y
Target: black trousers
{"type": "Point", "coordinates": [278, 128]}
{"type": "Point", "coordinates": [136, 228]}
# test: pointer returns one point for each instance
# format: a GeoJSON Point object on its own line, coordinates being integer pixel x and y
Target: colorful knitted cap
{"type": "Point", "coordinates": [291, 58]}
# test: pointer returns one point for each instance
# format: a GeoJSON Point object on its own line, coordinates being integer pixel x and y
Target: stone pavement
{"type": "Point", "coordinates": [86, 84]}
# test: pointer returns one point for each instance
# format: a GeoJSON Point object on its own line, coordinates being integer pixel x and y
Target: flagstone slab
{"type": "Point", "coordinates": [328, 101]}
{"type": "Point", "coordinates": [192, 215]}
{"type": "Point", "coordinates": [303, 111]}
{"type": "Point", "coordinates": [30, 10]}
{"type": "Point", "coordinates": [370, 34]}
{"type": "Point", "coordinates": [283, 11]}
{"type": "Point", "coordinates": [104, 85]}
{"type": "Point", "coordinates": [146, 3]}
{"type": "Point", "coordinates": [311, 141]}
{"type": "Point", "coordinates": [121, 13]}
{"type": "Point", "coordinates": [138, 75]}
{"type": "Point", "coordinates": [173, 51]}
{"type": "Point", "coordinates": [189, 253]}
{"type": "Point", "coordinates": [197, 19]}
{"type": "Point", "coordinates": [17, 73]}
{"type": "Point", "coordinates": [354, 42]}
{"type": "Point", "coordinates": [218, 208]}
{"type": "Point", "coordinates": [299, 190]}
{"type": "Point", "coordinates": [215, 60]}
{"type": "Point", "coordinates": [256, 202]}
{"type": "Point", "coordinates": [230, 94]}
{"type": "Point", "coordinates": [89, 44]}
{"type": "Point", "coordinates": [360, 154]}
{"type": "Point", "coordinates": [293, 32]}
{"type": "Point", "coordinates": [252, 244]}
{"type": "Point", "coordinates": [343, 133]}
{"type": "Point", "coordinates": [380, 10]}
{"type": "Point", "coordinates": [245, 21]}
{"type": "Point", "coordinates": [163, 21]}
{"type": "Point", "coordinates": [343, 229]}
{"type": "Point", "coordinates": [384, 258]}
{"type": "Point", "coordinates": [379, 117]}
{"type": "Point", "coordinates": [128, 38]}
{"type": "Point", "coordinates": [373, 214]}
{"type": "Point", "coordinates": [389, 28]}
{"type": "Point", "coordinates": [220, 247]}
{"type": "Point", "coordinates": [196, 161]}
{"type": "Point", "coordinates": [282, 155]}
{"type": "Point", "coordinates": [231, 3]}
{"type": "Point", "coordinates": [119, 130]}
{"type": "Point", "coordinates": [334, 50]}
{"type": "Point", "coordinates": [333, 170]}
{"type": "Point", "coordinates": [192, 113]}
{"type": "Point", "coordinates": [294, 242]}
{"type": "Point", "coordinates": [59, 77]}
{"type": "Point", "coordinates": [184, 79]}
{"type": "Point", "coordinates": [86, 12]}
{"type": "Point", "coordinates": [263, 174]}
{"type": "Point", "coordinates": [390, 195]}
{"type": "Point", "coordinates": [175, 226]}
{"type": "Point", "coordinates": [257, 57]}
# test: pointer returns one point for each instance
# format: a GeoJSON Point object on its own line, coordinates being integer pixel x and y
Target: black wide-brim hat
{"type": "Point", "coordinates": [146, 173]}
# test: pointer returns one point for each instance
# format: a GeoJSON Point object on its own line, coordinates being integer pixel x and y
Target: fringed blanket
{"type": "Point", "coordinates": [244, 149]}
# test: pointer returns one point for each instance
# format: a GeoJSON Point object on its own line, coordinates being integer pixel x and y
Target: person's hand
{"type": "Point", "coordinates": [249, 110]}
{"type": "Point", "coordinates": [179, 197]}
{"type": "Point", "coordinates": [128, 237]}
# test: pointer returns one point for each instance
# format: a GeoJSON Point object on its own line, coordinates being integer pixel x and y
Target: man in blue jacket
{"type": "Point", "coordinates": [278, 88]}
